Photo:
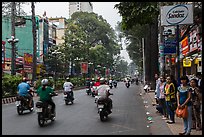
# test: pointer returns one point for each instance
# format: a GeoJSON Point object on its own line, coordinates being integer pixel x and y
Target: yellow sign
{"type": "Point", "coordinates": [197, 60]}
{"type": "Point", "coordinates": [186, 62]}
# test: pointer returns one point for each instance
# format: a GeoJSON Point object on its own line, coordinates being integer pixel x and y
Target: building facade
{"type": "Point", "coordinates": [60, 23]}
{"type": "Point", "coordinates": [80, 6]}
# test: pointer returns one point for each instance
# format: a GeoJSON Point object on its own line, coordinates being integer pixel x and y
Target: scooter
{"type": "Point", "coordinates": [68, 98]}
{"type": "Point", "coordinates": [111, 85]}
{"type": "Point", "coordinates": [103, 109]}
{"type": "Point", "coordinates": [127, 84]}
{"type": "Point", "coordinates": [88, 90]}
{"type": "Point", "coordinates": [115, 84]}
{"type": "Point", "coordinates": [44, 112]}
{"type": "Point", "coordinates": [22, 104]}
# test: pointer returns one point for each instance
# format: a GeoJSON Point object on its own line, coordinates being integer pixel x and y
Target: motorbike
{"type": "Point", "coordinates": [93, 91]}
{"type": "Point", "coordinates": [22, 103]}
{"type": "Point", "coordinates": [103, 109]}
{"type": "Point", "coordinates": [88, 90]}
{"type": "Point", "coordinates": [115, 84]}
{"type": "Point", "coordinates": [137, 82]}
{"type": "Point", "coordinates": [111, 85]}
{"type": "Point", "coordinates": [68, 98]}
{"type": "Point", "coordinates": [44, 112]}
{"type": "Point", "coordinates": [127, 84]}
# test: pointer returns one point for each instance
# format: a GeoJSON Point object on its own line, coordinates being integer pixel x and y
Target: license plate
{"type": "Point", "coordinates": [100, 106]}
{"type": "Point", "coordinates": [39, 110]}
{"type": "Point", "coordinates": [17, 103]}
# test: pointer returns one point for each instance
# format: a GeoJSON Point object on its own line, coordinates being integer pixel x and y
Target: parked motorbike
{"type": "Point", "coordinates": [68, 98]}
{"type": "Point", "coordinates": [22, 103]}
{"type": "Point", "coordinates": [103, 109]}
{"type": "Point", "coordinates": [44, 112]}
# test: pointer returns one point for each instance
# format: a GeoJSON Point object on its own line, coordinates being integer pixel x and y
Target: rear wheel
{"type": "Point", "coordinates": [41, 120]}
{"type": "Point", "coordinates": [20, 110]}
{"type": "Point", "coordinates": [102, 118]}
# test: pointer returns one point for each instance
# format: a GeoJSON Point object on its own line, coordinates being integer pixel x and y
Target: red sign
{"type": "Point", "coordinates": [184, 45]}
{"type": "Point", "coordinates": [84, 67]}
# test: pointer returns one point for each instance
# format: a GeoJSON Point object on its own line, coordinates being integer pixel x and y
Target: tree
{"type": "Point", "coordinates": [89, 37]}
{"type": "Point", "coordinates": [6, 8]}
{"type": "Point", "coordinates": [143, 13]}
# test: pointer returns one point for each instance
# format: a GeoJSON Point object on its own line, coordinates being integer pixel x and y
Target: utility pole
{"type": "Point", "coordinates": [13, 55]}
{"type": "Point", "coordinates": [34, 42]}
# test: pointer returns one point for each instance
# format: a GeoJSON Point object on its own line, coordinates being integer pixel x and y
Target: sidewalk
{"type": "Point", "coordinates": [175, 128]}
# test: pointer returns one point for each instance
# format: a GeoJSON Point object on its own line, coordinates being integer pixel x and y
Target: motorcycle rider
{"type": "Point", "coordinates": [103, 93]}
{"type": "Point", "coordinates": [68, 87]}
{"type": "Point", "coordinates": [44, 93]}
{"type": "Point", "coordinates": [24, 90]}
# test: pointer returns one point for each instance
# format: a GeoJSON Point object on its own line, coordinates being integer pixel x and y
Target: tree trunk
{"type": "Point", "coordinates": [13, 55]}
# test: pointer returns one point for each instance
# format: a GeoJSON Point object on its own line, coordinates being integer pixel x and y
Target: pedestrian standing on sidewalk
{"type": "Point", "coordinates": [170, 98]}
{"type": "Point", "coordinates": [184, 98]}
{"type": "Point", "coordinates": [161, 97]}
{"type": "Point", "coordinates": [157, 85]}
{"type": "Point", "coordinates": [196, 99]}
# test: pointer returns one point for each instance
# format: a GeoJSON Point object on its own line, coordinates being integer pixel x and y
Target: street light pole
{"type": "Point", "coordinates": [55, 54]}
{"type": "Point", "coordinates": [13, 56]}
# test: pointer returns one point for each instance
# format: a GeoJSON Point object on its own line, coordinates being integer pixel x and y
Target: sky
{"type": "Point", "coordinates": [58, 9]}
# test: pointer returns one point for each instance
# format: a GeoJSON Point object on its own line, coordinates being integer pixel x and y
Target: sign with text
{"type": "Point", "coordinates": [170, 46]}
{"type": "Point", "coordinates": [176, 15]}
{"type": "Point", "coordinates": [84, 67]}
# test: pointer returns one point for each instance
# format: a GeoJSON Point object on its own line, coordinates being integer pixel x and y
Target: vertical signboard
{"type": "Point", "coordinates": [84, 67]}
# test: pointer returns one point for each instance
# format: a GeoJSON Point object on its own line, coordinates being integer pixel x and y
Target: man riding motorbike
{"type": "Point", "coordinates": [44, 93]}
{"type": "Point", "coordinates": [24, 91]}
{"type": "Point", "coordinates": [68, 87]}
{"type": "Point", "coordinates": [103, 93]}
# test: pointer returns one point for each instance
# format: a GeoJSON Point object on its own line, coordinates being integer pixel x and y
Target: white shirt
{"type": "Point", "coordinates": [103, 90]}
{"type": "Point", "coordinates": [67, 86]}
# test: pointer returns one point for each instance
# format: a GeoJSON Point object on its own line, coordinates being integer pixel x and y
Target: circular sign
{"type": "Point", "coordinates": [177, 14]}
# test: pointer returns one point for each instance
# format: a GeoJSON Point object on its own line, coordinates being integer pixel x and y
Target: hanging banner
{"type": "Point", "coordinates": [84, 67]}
{"type": "Point", "coordinates": [170, 46]}
{"type": "Point", "coordinates": [176, 15]}
{"type": "Point", "coordinates": [184, 46]}
{"type": "Point", "coordinates": [28, 59]}
{"type": "Point", "coordinates": [186, 62]}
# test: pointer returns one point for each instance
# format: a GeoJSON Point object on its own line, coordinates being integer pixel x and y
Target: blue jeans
{"type": "Point", "coordinates": [170, 112]}
{"type": "Point", "coordinates": [188, 121]}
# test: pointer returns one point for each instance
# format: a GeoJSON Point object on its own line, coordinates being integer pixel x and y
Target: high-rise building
{"type": "Point", "coordinates": [80, 6]}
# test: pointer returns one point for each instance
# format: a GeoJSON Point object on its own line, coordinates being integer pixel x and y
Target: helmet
{"type": "Point", "coordinates": [24, 79]}
{"type": "Point", "coordinates": [44, 82]}
{"type": "Point", "coordinates": [102, 80]}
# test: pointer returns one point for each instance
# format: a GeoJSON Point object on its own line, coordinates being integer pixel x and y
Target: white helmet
{"type": "Point", "coordinates": [44, 82]}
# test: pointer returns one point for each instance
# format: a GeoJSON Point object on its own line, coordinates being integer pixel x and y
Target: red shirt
{"type": "Point", "coordinates": [97, 84]}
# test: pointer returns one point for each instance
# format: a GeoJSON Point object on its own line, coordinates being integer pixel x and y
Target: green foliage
{"type": "Point", "coordinates": [9, 84]}
{"type": "Point", "coordinates": [137, 13]}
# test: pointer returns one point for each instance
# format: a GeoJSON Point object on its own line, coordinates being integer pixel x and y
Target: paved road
{"type": "Point", "coordinates": [81, 118]}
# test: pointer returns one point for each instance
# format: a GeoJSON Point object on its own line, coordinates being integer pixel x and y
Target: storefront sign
{"type": "Point", "coordinates": [193, 41]}
{"type": "Point", "coordinates": [186, 62]}
{"type": "Point", "coordinates": [176, 15]}
{"type": "Point", "coordinates": [184, 46]}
